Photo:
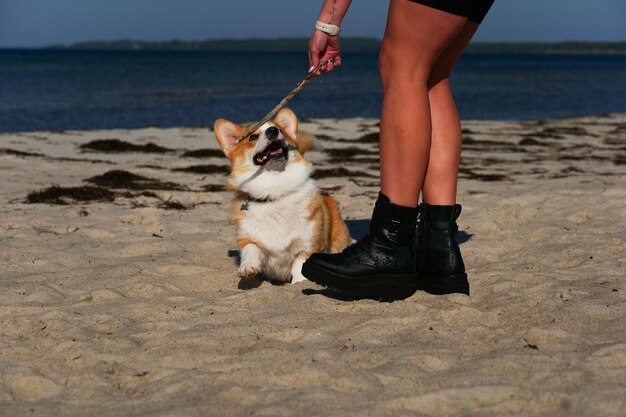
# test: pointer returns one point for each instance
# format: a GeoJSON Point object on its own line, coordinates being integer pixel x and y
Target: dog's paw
{"type": "Point", "coordinates": [249, 269]}
{"type": "Point", "coordinates": [295, 278]}
{"type": "Point", "coordinates": [296, 270]}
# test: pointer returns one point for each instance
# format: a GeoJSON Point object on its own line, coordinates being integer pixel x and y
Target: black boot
{"type": "Point", "coordinates": [381, 264]}
{"type": "Point", "coordinates": [440, 267]}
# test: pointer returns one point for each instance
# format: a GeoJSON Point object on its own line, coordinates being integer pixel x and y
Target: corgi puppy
{"type": "Point", "coordinates": [280, 214]}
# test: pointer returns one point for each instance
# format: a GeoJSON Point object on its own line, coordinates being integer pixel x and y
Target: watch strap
{"type": "Point", "coordinates": [332, 30]}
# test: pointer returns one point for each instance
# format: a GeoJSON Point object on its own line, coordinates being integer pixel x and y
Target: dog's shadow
{"type": "Point", "coordinates": [251, 283]}
{"type": "Point", "coordinates": [357, 228]}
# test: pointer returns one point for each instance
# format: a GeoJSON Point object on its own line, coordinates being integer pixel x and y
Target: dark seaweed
{"type": "Point", "coordinates": [472, 175]}
{"type": "Point", "coordinates": [614, 141]}
{"type": "Point", "coordinates": [351, 154]}
{"type": "Point", "coordinates": [547, 133]}
{"type": "Point", "coordinates": [620, 159]}
{"type": "Point", "coordinates": [150, 166]}
{"type": "Point", "coordinates": [204, 169]}
{"type": "Point", "coordinates": [339, 172]}
{"type": "Point", "coordinates": [566, 130]}
{"type": "Point", "coordinates": [351, 151]}
{"type": "Point", "coordinates": [172, 205]}
{"type": "Point", "coordinates": [60, 195]}
{"type": "Point", "coordinates": [529, 141]}
{"type": "Point", "coordinates": [214, 188]}
{"type": "Point", "coordinates": [20, 153]}
{"type": "Point", "coordinates": [118, 146]}
{"type": "Point", "coordinates": [571, 169]}
{"type": "Point", "coordinates": [619, 129]}
{"type": "Point", "coordinates": [125, 180]}
{"type": "Point", "coordinates": [204, 153]}
{"type": "Point", "coordinates": [369, 138]}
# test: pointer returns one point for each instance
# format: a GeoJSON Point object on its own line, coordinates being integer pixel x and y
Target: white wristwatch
{"type": "Point", "coordinates": [332, 30]}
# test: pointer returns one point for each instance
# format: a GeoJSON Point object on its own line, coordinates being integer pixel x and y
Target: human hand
{"type": "Point", "coordinates": [324, 46]}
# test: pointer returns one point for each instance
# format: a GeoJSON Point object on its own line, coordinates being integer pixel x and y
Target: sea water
{"type": "Point", "coordinates": [71, 89]}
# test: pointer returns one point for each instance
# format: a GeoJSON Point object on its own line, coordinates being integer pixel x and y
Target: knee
{"type": "Point", "coordinates": [395, 65]}
{"type": "Point", "coordinates": [385, 66]}
{"type": "Point", "coordinates": [437, 82]}
{"type": "Point", "coordinates": [439, 76]}
{"type": "Point", "coordinates": [385, 59]}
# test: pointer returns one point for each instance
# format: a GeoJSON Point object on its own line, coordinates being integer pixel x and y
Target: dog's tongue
{"type": "Point", "coordinates": [272, 151]}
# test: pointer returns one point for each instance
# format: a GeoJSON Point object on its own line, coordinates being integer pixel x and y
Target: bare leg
{"type": "Point", "coordinates": [445, 148]}
{"type": "Point", "coordinates": [415, 37]}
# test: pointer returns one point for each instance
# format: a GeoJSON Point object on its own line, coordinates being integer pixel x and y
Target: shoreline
{"type": "Point", "coordinates": [306, 120]}
{"type": "Point", "coordinates": [130, 303]}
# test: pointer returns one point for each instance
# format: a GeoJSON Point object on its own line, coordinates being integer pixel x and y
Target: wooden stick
{"type": "Point", "coordinates": [269, 116]}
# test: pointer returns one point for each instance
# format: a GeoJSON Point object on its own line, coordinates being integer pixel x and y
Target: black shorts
{"type": "Point", "coordinates": [474, 10]}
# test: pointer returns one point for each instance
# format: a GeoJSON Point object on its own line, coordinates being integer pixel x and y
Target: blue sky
{"type": "Point", "coordinates": [31, 23]}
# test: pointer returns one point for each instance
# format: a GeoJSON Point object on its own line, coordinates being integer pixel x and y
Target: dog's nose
{"type": "Point", "coordinates": [271, 132]}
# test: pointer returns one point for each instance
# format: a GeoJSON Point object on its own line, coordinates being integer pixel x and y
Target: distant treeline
{"type": "Point", "coordinates": [278, 45]}
{"type": "Point", "coordinates": [349, 44]}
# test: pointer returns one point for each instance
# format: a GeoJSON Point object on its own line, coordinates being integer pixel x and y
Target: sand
{"type": "Point", "coordinates": [132, 306]}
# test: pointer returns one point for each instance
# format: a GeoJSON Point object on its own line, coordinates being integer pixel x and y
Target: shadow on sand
{"type": "Point", "coordinates": [357, 228]}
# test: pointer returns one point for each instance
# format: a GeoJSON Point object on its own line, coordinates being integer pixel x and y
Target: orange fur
{"type": "Point", "coordinates": [305, 142]}
{"type": "Point", "coordinates": [339, 236]}
{"type": "Point", "coordinates": [318, 214]}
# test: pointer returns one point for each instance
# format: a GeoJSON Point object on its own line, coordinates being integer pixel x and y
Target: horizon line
{"type": "Point", "coordinates": [293, 38]}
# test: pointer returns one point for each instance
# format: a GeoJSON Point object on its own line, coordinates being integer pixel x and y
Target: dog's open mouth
{"type": "Point", "coordinates": [274, 150]}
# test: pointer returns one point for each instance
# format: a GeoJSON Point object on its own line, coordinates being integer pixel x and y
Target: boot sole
{"type": "Point", "coordinates": [444, 284]}
{"type": "Point", "coordinates": [388, 287]}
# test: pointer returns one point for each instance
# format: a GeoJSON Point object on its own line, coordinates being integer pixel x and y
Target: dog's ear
{"type": "Point", "coordinates": [227, 134]}
{"type": "Point", "coordinates": [288, 121]}
{"type": "Point", "coordinates": [305, 142]}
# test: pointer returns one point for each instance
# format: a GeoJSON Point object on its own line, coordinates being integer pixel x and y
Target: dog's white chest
{"type": "Point", "coordinates": [281, 227]}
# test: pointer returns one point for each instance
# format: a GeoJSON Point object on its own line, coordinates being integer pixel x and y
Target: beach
{"type": "Point", "coordinates": [119, 292]}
